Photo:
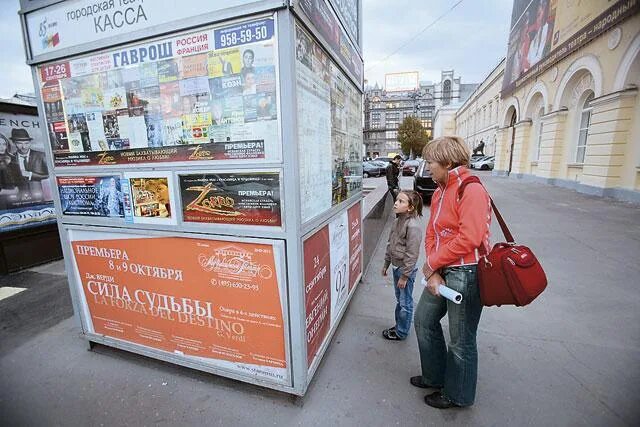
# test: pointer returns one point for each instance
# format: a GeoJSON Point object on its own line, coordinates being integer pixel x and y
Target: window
{"type": "Point", "coordinates": [583, 131]}
{"type": "Point", "coordinates": [446, 92]}
{"type": "Point", "coordinates": [539, 135]}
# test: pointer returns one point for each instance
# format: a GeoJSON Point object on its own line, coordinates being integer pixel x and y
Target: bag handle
{"type": "Point", "coordinates": [503, 225]}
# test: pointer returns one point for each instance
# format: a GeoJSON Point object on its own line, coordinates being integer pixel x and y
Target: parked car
{"type": "Point", "coordinates": [423, 183]}
{"type": "Point", "coordinates": [485, 163]}
{"type": "Point", "coordinates": [409, 167]}
{"type": "Point", "coordinates": [373, 169]}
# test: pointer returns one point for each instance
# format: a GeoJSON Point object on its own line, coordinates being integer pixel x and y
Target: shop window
{"type": "Point", "coordinates": [583, 131]}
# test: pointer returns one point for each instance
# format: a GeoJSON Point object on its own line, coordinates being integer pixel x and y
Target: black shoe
{"type": "Point", "coordinates": [437, 400]}
{"type": "Point", "coordinates": [417, 382]}
{"type": "Point", "coordinates": [391, 334]}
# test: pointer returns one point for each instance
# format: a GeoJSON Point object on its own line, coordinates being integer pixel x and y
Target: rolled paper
{"type": "Point", "coordinates": [448, 293]}
{"type": "Point", "coordinates": [453, 296]}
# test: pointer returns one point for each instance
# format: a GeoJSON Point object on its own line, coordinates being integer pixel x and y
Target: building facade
{"type": "Point", "coordinates": [477, 120]}
{"type": "Point", "coordinates": [384, 110]}
{"type": "Point", "coordinates": [577, 122]}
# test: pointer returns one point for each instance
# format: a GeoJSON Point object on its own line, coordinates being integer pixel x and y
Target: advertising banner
{"type": "Point", "coordinates": [151, 198]}
{"type": "Point", "coordinates": [57, 27]}
{"type": "Point", "coordinates": [247, 198]}
{"type": "Point", "coordinates": [25, 191]}
{"type": "Point", "coordinates": [348, 12]}
{"type": "Point", "coordinates": [544, 32]}
{"type": "Point", "coordinates": [326, 22]}
{"type": "Point", "coordinates": [97, 196]}
{"type": "Point", "coordinates": [209, 95]}
{"type": "Point", "coordinates": [214, 301]}
{"type": "Point", "coordinates": [401, 82]}
{"type": "Point", "coordinates": [332, 267]}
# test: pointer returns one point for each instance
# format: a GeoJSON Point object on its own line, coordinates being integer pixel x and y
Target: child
{"type": "Point", "coordinates": [403, 249]}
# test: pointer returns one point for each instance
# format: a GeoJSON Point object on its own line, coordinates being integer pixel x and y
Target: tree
{"type": "Point", "coordinates": [412, 136]}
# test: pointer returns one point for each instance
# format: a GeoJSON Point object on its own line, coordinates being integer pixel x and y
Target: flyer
{"type": "Point", "coordinates": [151, 197]}
{"type": "Point", "coordinates": [215, 301]}
{"type": "Point", "coordinates": [232, 198]}
{"type": "Point", "coordinates": [91, 196]}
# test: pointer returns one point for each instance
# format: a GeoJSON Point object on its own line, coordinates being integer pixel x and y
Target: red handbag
{"type": "Point", "coordinates": [509, 274]}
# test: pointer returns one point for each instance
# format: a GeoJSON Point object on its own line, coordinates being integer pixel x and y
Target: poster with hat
{"type": "Point", "coordinates": [25, 192]}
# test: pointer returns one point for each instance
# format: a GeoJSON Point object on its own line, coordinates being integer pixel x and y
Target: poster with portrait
{"type": "Point", "coordinates": [93, 196]}
{"type": "Point", "coordinates": [237, 197]}
{"type": "Point", "coordinates": [187, 297]}
{"type": "Point", "coordinates": [25, 192]}
{"type": "Point", "coordinates": [148, 93]}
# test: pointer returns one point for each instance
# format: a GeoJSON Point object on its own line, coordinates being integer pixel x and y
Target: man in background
{"type": "Point", "coordinates": [393, 173]}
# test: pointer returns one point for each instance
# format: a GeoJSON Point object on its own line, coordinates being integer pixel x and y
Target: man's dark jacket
{"type": "Point", "coordinates": [393, 171]}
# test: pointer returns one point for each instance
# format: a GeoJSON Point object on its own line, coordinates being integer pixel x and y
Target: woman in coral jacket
{"type": "Point", "coordinates": [456, 229]}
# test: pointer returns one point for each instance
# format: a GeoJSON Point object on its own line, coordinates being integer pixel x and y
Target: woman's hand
{"type": "Point", "coordinates": [402, 282]}
{"type": "Point", "coordinates": [384, 271]}
{"type": "Point", "coordinates": [432, 284]}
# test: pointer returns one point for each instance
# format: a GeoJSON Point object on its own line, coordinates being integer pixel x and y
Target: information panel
{"type": "Point", "coordinates": [207, 95]}
{"type": "Point", "coordinates": [215, 301]}
{"type": "Point", "coordinates": [329, 129]}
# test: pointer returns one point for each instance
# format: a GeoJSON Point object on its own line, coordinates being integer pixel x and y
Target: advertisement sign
{"type": "Point", "coordinates": [348, 13]}
{"type": "Point", "coordinates": [151, 198]}
{"type": "Point", "coordinates": [97, 196]}
{"type": "Point", "coordinates": [57, 26]}
{"type": "Point", "coordinates": [332, 267]}
{"type": "Point", "coordinates": [247, 198]}
{"type": "Point", "coordinates": [329, 108]}
{"type": "Point", "coordinates": [326, 22]}
{"type": "Point", "coordinates": [214, 301]}
{"type": "Point", "coordinates": [209, 95]}
{"type": "Point", "coordinates": [25, 192]}
{"type": "Point", "coordinates": [317, 291]}
{"type": "Point", "coordinates": [355, 244]}
{"type": "Point", "coordinates": [401, 82]}
{"type": "Point", "coordinates": [544, 32]}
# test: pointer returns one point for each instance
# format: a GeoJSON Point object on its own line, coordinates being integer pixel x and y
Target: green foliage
{"type": "Point", "coordinates": [412, 136]}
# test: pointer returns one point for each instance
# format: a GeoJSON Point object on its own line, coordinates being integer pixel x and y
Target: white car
{"type": "Point", "coordinates": [484, 163]}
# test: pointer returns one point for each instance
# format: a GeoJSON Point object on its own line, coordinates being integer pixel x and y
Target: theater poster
{"type": "Point", "coordinates": [235, 197]}
{"type": "Point", "coordinates": [25, 191]}
{"type": "Point", "coordinates": [212, 301]}
{"type": "Point", "coordinates": [332, 268]}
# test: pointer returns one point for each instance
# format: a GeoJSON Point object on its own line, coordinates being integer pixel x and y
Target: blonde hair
{"type": "Point", "coordinates": [447, 149]}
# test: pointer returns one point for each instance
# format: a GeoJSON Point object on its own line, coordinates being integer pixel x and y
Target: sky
{"type": "Point", "coordinates": [471, 39]}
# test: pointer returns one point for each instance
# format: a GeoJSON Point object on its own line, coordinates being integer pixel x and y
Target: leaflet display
{"type": "Point", "coordinates": [202, 96]}
{"type": "Point", "coordinates": [329, 132]}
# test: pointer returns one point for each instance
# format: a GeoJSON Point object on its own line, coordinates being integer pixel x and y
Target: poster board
{"type": "Point", "coordinates": [206, 95]}
{"type": "Point", "coordinates": [217, 302]}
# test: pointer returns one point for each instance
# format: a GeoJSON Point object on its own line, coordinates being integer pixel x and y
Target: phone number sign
{"type": "Point", "coordinates": [244, 33]}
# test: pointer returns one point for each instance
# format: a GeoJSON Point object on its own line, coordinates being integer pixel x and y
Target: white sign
{"type": "Point", "coordinates": [57, 27]}
{"type": "Point", "coordinates": [398, 82]}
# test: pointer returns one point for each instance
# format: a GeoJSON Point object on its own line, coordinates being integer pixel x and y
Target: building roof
{"type": "Point", "coordinates": [26, 100]}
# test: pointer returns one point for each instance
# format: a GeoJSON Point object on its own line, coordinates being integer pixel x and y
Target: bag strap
{"type": "Point", "coordinates": [503, 225]}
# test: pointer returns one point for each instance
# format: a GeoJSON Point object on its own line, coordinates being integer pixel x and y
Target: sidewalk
{"type": "Point", "coordinates": [570, 358]}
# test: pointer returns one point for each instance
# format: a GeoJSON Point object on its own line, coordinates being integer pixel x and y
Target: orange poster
{"type": "Point", "coordinates": [210, 299]}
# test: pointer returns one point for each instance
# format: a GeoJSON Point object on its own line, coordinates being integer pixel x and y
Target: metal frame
{"type": "Point", "coordinates": [290, 236]}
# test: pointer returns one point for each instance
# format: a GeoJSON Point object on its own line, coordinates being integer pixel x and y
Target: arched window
{"type": "Point", "coordinates": [446, 92]}
{"type": "Point", "coordinates": [583, 131]}
{"type": "Point", "coordinates": [539, 134]}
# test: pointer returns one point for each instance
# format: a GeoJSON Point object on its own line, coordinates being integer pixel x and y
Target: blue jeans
{"type": "Point", "coordinates": [404, 302]}
{"type": "Point", "coordinates": [456, 369]}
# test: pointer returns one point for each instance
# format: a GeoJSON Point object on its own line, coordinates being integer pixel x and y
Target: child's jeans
{"type": "Point", "coordinates": [404, 302]}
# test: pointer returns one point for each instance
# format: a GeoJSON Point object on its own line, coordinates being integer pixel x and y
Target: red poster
{"type": "Point", "coordinates": [55, 72]}
{"type": "Point", "coordinates": [355, 243]}
{"type": "Point", "coordinates": [317, 290]}
{"type": "Point", "coordinates": [207, 298]}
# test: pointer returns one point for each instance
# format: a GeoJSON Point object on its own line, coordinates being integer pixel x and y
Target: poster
{"type": "Point", "coordinates": [317, 291]}
{"type": "Point", "coordinates": [94, 196]}
{"type": "Point", "coordinates": [355, 244]}
{"type": "Point", "coordinates": [332, 268]}
{"type": "Point", "coordinates": [543, 32]}
{"type": "Point", "coordinates": [329, 132]}
{"type": "Point", "coordinates": [25, 192]}
{"type": "Point", "coordinates": [151, 197]}
{"type": "Point", "coordinates": [213, 301]}
{"type": "Point", "coordinates": [148, 93]}
{"type": "Point", "coordinates": [232, 198]}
